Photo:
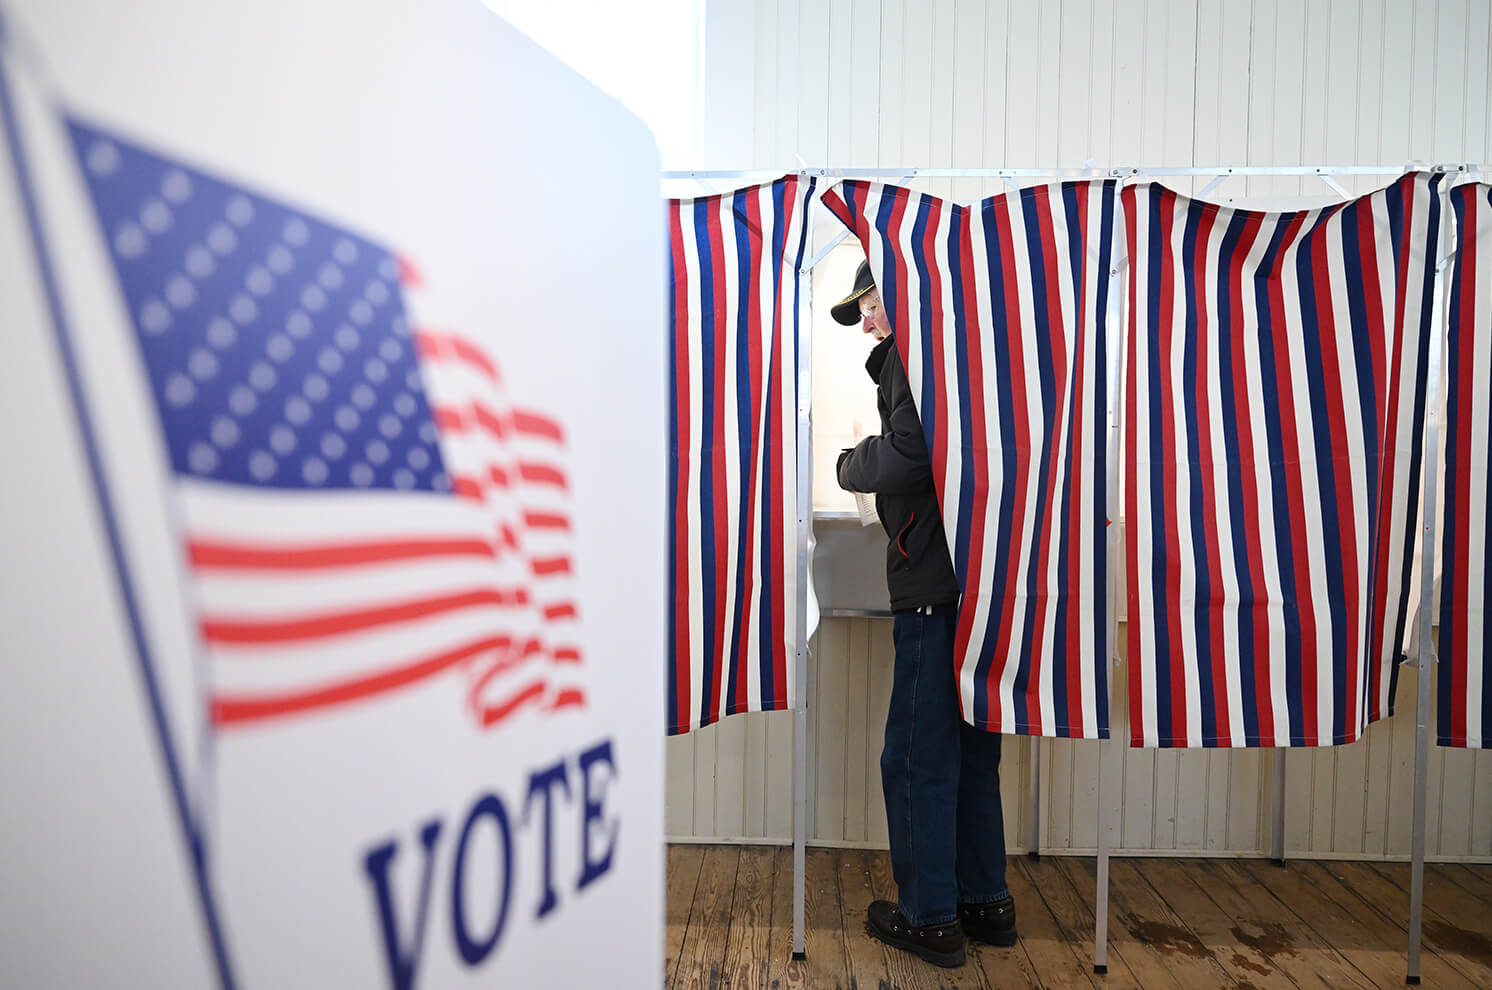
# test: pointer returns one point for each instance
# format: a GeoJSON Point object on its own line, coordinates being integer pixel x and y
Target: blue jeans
{"type": "Point", "coordinates": [941, 779]}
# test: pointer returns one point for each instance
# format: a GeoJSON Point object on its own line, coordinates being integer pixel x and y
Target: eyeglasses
{"type": "Point", "coordinates": [870, 304]}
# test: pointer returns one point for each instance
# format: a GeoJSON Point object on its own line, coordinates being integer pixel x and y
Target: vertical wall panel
{"type": "Point", "coordinates": [834, 660]}
{"type": "Point", "coordinates": [966, 103]}
{"type": "Point", "coordinates": [882, 660]}
{"type": "Point", "coordinates": [987, 83]}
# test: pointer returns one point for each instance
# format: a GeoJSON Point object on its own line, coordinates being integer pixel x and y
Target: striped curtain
{"type": "Point", "coordinates": [733, 481]}
{"type": "Point", "coordinates": [1464, 716]}
{"type": "Point", "coordinates": [1273, 409]}
{"type": "Point", "coordinates": [1001, 317]}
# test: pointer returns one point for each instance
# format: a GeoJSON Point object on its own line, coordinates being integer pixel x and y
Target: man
{"type": "Point", "coordinates": [941, 776]}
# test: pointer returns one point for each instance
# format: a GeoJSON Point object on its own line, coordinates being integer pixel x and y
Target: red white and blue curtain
{"type": "Point", "coordinates": [733, 481]}
{"type": "Point", "coordinates": [1274, 408]}
{"type": "Point", "coordinates": [1001, 317]}
{"type": "Point", "coordinates": [1464, 715]}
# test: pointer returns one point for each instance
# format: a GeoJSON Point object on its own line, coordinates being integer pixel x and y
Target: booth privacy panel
{"type": "Point", "coordinates": [733, 453]}
{"type": "Point", "coordinates": [1001, 317]}
{"type": "Point", "coordinates": [1464, 716]}
{"type": "Point", "coordinates": [1273, 419]}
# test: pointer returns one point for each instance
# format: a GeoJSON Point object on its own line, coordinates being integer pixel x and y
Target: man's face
{"type": "Point", "coordinates": [872, 317]}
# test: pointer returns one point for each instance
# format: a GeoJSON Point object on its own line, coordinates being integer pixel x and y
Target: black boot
{"type": "Point", "coordinates": [941, 945]}
{"type": "Point", "coordinates": [993, 923]}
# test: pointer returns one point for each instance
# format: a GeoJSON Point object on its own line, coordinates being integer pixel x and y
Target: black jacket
{"type": "Point", "coordinates": [896, 467]}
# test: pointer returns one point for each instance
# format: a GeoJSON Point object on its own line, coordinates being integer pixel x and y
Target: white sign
{"type": "Point", "coordinates": [333, 515]}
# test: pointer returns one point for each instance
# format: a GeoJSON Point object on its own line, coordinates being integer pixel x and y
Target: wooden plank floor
{"type": "Point", "coordinates": [1175, 923]}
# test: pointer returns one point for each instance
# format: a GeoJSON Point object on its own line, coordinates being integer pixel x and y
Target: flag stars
{"type": "Point", "coordinates": [155, 318]}
{"type": "Point", "coordinates": [391, 350]}
{"type": "Point", "coordinates": [262, 465]}
{"type": "Point", "coordinates": [314, 470]}
{"type": "Point", "coordinates": [376, 293]}
{"type": "Point", "coordinates": [176, 187]}
{"type": "Point", "coordinates": [363, 396]}
{"type": "Point", "coordinates": [315, 387]}
{"type": "Point", "coordinates": [345, 251]}
{"type": "Point", "coordinates": [403, 479]}
{"type": "Point", "coordinates": [313, 297]}
{"type": "Point", "coordinates": [242, 401]}
{"type": "Point", "coordinates": [375, 371]}
{"type": "Point", "coordinates": [242, 309]}
{"type": "Point", "coordinates": [198, 262]}
{"type": "Point", "coordinates": [180, 390]}
{"type": "Point", "coordinates": [259, 281]}
{"type": "Point", "coordinates": [103, 158]}
{"type": "Point", "coordinates": [346, 419]}
{"type": "Point", "coordinates": [360, 475]}
{"type": "Point", "coordinates": [440, 482]}
{"type": "Point", "coordinates": [404, 404]}
{"type": "Point", "coordinates": [225, 432]}
{"type": "Point", "coordinates": [202, 458]}
{"type": "Point", "coordinates": [388, 269]}
{"type": "Point", "coordinates": [203, 364]}
{"type": "Point", "coordinates": [279, 259]}
{"type": "Point", "coordinates": [180, 292]}
{"type": "Point", "coordinates": [295, 232]}
{"type": "Point", "coordinates": [298, 324]}
{"type": "Point", "coordinates": [330, 277]}
{"type": "Point", "coordinates": [297, 411]}
{"type": "Point", "coordinates": [240, 211]}
{"type": "Point", "coordinates": [347, 337]}
{"type": "Point", "coordinates": [360, 313]}
{"type": "Point", "coordinates": [390, 426]}
{"type": "Point", "coordinates": [222, 240]}
{"type": "Point", "coordinates": [129, 240]}
{"type": "Point", "coordinates": [377, 451]}
{"type": "Point", "coordinates": [418, 458]}
{"type": "Point", "coordinates": [400, 326]}
{"type": "Point", "coordinates": [281, 439]}
{"type": "Point", "coordinates": [221, 333]}
{"type": "Point", "coordinates": [428, 433]}
{"type": "Point", "coordinates": [279, 347]}
{"type": "Point", "coordinates": [155, 216]}
{"type": "Point", "coordinates": [412, 381]}
{"type": "Point", "coordinates": [330, 360]}
{"type": "Point", "coordinates": [262, 376]}
{"type": "Point", "coordinates": [333, 446]}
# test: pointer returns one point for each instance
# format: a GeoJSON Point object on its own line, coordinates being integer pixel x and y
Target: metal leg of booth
{"type": "Point", "coordinates": [1426, 647]}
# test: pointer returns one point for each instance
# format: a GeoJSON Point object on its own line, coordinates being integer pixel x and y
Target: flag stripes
{"type": "Point", "coordinates": [1464, 712]}
{"type": "Point", "coordinates": [733, 306]}
{"type": "Point", "coordinates": [1001, 318]}
{"type": "Point", "coordinates": [1274, 399]}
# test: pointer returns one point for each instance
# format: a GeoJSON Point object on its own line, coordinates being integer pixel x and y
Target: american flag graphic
{"type": "Point", "coordinates": [1001, 316]}
{"type": "Point", "coordinates": [1274, 408]}
{"type": "Point", "coordinates": [732, 487]}
{"type": "Point", "coordinates": [1464, 715]}
{"type": "Point", "coordinates": [362, 505]}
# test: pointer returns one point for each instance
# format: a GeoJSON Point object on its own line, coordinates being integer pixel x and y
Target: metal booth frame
{"type": "Point", "coordinates": [1110, 750]}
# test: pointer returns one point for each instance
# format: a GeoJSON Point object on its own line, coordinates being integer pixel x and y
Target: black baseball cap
{"type": "Point", "coordinates": [847, 310]}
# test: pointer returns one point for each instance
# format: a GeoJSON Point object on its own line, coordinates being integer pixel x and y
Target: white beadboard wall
{"type": "Point", "coordinates": [965, 83]}
{"type": "Point", "coordinates": [733, 780]}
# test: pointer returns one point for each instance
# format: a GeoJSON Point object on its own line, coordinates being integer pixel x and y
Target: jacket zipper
{"type": "Point", "coordinates": [904, 533]}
